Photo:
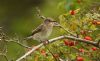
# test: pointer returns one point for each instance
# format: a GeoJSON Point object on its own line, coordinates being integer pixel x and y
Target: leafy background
{"type": "Point", "coordinates": [18, 18]}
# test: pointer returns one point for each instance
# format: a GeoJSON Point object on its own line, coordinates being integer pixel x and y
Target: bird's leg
{"type": "Point", "coordinates": [45, 42]}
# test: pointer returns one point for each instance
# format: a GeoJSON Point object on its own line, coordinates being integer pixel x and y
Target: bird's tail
{"type": "Point", "coordinates": [27, 38]}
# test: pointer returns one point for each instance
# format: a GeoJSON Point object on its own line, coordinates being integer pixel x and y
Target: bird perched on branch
{"type": "Point", "coordinates": [43, 31]}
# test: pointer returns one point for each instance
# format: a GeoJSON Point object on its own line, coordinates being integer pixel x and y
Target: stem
{"type": "Point", "coordinates": [50, 52]}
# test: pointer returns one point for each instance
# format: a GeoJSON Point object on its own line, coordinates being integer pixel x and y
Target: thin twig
{"type": "Point", "coordinates": [61, 59]}
{"type": "Point", "coordinates": [29, 52]}
{"type": "Point", "coordinates": [18, 43]}
{"type": "Point", "coordinates": [98, 43]}
{"type": "Point", "coordinates": [58, 38]}
{"type": "Point", "coordinates": [51, 53]}
{"type": "Point", "coordinates": [67, 31]}
{"type": "Point", "coordinates": [39, 13]}
{"type": "Point", "coordinates": [4, 56]}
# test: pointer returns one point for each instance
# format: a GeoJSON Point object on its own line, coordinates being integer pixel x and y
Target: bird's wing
{"type": "Point", "coordinates": [38, 29]}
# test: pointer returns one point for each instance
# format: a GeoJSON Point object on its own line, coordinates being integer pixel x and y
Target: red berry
{"type": "Point", "coordinates": [81, 50]}
{"type": "Point", "coordinates": [94, 22]}
{"type": "Point", "coordinates": [98, 23]}
{"type": "Point", "coordinates": [80, 58]}
{"type": "Point", "coordinates": [71, 43]}
{"type": "Point", "coordinates": [88, 38]}
{"type": "Point", "coordinates": [79, 1]}
{"type": "Point", "coordinates": [56, 55]}
{"type": "Point", "coordinates": [43, 52]}
{"type": "Point", "coordinates": [94, 48]}
{"type": "Point", "coordinates": [66, 42]}
{"type": "Point", "coordinates": [72, 12]}
{"type": "Point", "coordinates": [83, 31]}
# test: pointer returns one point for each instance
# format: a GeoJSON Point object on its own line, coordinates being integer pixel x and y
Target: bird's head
{"type": "Point", "coordinates": [49, 21]}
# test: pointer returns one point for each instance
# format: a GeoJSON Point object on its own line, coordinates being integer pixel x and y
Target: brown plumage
{"type": "Point", "coordinates": [43, 31]}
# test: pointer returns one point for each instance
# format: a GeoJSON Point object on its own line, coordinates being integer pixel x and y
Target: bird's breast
{"type": "Point", "coordinates": [44, 34]}
{"type": "Point", "coordinates": [47, 32]}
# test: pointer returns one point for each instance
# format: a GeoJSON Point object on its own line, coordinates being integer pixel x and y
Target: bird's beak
{"type": "Point", "coordinates": [56, 24]}
{"type": "Point", "coordinates": [53, 21]}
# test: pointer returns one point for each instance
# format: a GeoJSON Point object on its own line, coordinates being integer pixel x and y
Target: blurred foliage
{"type": "Point", "coordinates": [18, 18]}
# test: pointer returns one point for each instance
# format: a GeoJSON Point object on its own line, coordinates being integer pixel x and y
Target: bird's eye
{"type": "Point", "coordinates": [49, 20]}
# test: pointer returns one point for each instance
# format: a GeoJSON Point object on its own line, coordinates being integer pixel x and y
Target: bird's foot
{"type": "Point", "coordinates": [45, 42]}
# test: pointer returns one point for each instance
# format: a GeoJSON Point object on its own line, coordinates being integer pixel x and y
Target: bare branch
{"type": "Point", "coordinates": [29, 52]}
{"type": "Point", "coordinates": [82, 40]}
{"type": "Point", "coordinates": [55, 39]}
{"type": "Point", "coordinates": [39, 13]}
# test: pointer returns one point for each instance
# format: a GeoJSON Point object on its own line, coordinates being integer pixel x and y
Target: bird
{"type": "Point", "coordinates": [43, 31]}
